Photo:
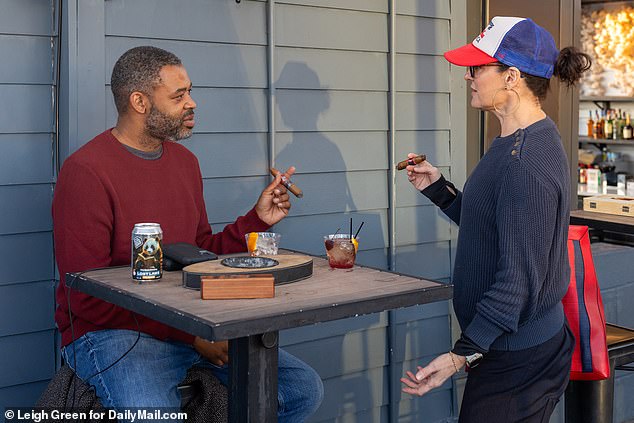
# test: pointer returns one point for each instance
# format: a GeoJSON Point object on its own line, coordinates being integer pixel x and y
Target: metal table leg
{"type": "Point", "coordinates": [590, 401]}
{"type": "Point", "coordinates": [253, 364]}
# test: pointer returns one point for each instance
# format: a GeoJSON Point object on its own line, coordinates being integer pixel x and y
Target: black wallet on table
{"type": "Point", "coordinates": [181, 254]}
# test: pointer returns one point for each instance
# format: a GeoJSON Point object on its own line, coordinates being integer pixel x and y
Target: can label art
{"type": "Point", "coordinates": [147, 252]}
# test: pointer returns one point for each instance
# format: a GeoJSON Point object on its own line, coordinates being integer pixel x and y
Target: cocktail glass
{"type": "Point", "coordinates": [341, 250]}
{"type": "Point", "coordinates": [262, 243]}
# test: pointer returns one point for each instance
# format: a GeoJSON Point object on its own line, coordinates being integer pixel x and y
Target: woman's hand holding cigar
{"type": "Point", "coordinates": [420, 172]}
{"type": "Point", "coordinates": [411, 161]}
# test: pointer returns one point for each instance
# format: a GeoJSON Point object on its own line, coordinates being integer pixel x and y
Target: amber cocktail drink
{"type": "Point", "coordinates": [341, 250]}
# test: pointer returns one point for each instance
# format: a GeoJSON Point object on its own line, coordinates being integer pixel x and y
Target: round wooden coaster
{"type": "Point", "coordinates": [291, 268]}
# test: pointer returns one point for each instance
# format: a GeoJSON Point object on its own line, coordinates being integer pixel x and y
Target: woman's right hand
{"type": "Point", "coordinates": [423, 174]}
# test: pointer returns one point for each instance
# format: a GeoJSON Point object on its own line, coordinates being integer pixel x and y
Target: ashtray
{"type": "Point", "coordinates": [248, 262]}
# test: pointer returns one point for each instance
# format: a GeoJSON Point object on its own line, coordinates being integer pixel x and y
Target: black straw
{"type": "Point", "coordinates": [350, 228]}
{"type": "Point", "coordinates": [359, 230]}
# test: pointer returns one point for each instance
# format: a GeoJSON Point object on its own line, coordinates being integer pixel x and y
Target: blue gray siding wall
{"type": "Point", "coordinates": [330, 119]}
{"type": "Point", "coordinates": [27, 333]}
{"type": "Point", "coordinates": [615, 272]}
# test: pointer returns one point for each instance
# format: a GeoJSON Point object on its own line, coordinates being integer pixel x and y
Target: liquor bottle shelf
{"type": "Point", "coordinates": [604, 99]}
{"type": "Point", "coordinates": [590, 140]}
{"type": "Point", "coordinates": [583, 190]}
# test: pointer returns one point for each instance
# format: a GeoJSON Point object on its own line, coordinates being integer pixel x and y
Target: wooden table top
{"type": "Point", "coordinates": [326, 295]}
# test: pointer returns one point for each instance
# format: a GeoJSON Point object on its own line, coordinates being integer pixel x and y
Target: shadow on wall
{"type": "Point", "coordinates": [349, 389]}
{"type": "Point", "coordinates": [309, 150]}
{"type": "Point", "coordinates": [321, 168]}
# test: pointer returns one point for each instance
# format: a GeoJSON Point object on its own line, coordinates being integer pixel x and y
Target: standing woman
{"type": "Point", "coordinates": [511, 267]}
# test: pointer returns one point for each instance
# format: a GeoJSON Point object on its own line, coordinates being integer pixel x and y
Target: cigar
{"type": "Point", "coordinates": [288, 183]}
{"type": "Point", "coordinates": [411, 162]}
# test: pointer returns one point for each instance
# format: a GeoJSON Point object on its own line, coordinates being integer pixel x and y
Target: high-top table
{"type": "Point", "coordinates": [603, 221]}
{"type": "Point", "coordinates": [252, 326]}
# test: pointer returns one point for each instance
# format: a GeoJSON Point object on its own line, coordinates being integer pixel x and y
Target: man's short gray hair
{"type": "Point", "coordinates": [138, 70]}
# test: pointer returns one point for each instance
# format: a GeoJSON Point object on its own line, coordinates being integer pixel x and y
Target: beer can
{"type": "Point", "coordinates": [147, 252]}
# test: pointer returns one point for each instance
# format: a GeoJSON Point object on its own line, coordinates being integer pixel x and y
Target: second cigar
{"type": "Point", "coordinates": [411, 162]}
{"type": "Point", "coordinates": [288, 183]}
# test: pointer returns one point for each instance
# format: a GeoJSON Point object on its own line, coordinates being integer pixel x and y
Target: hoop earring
{"type": "Point", "coordinates": [516, 106]}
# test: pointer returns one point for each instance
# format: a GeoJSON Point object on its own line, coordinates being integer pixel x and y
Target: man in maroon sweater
{"type": "Point", "coordinates": [133, 173]}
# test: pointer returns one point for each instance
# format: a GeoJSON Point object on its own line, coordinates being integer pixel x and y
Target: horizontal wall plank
{"type": "Point", "coordinates": [305, 233]}
{"type": "Point", "coordinates": [422, 35]}
{"type": "Point", "coordinates": [377, 258]}
{"type": "Point", "coordinates": [318, 69]}
{"type": "Point", "coordinates": [347, 354]}
{"type": "Point", "coordinates": [434, 144]}
{"type": "Point", "coordinates": [373, 415]}
{"type": "Point", "coordinates": [434, 407]}
{"type": "Point", "coordinates": [26, 257]}
{"type": "Point", "coordinates": [299, 26]}
{"type": "Point", "coordinates": [25, 208]}
{"type": "Point", "coordinates": [614, 264]}
{"type": "Point", "coordinates": [407, 195]}
{"type": "Point", "coordinates": [208, 64]}
{"type": "Point", "coordinates": [353, 393]}
{"type": "Point", "coordinates": [416, 111]}
{"type": "Point", "coordinates": [219, 110]}
{"type": "Point", "coordinates": [202, 20]}
{"type": "Point", "coordinates": [430, 260]}
{"type": "Point", "coordinates": [333, 328]}
{"type": "Point", "coordinates": [230, 154]}
{"type": "Point", "coordinates": [331, 151]}
{"type": "Point", "coordinates": [312, 110]}
{"type": "Point", "coordinates": [340, 192]}
{"type": "Point", "coordinates": [25, 59]}
{"type": "Point", "coordinates": [27, 307]}
{"type": "Point", "coordinates": [422, 73]}
{"type": "Point", "coordinates": [399, 369]}
{"type": "Point", "coordinates": [25, 395]}
{"type": "Point", "coordinates": [228, 198]}
{"type": "Point", "coordinates": [623, 305]}
{"type": "Point", "coordinates": [26, 108]}
{"type": "Point", "coordinates": [15, 148]}
{"type": "Point", "coordinates": [421, 338]}
{"type": "Point", "coordinates": [430, 8]}
{"type": "Point", "coordinates": [366, 5]}
{"type": "Point", "coordinates": [421, 224]}
{"type": "Point", "coordinates": [31, 17]}
{"type": "Point", "coordinates": [20, 353]}
{"type": "Point", "coordinates": [421, 312]}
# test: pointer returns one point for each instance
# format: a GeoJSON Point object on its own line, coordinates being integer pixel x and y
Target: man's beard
{"type": "Point", "coordinates": [165, 127]}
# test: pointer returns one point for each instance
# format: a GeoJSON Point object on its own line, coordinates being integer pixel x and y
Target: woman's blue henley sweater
{"type": "Point", "coordinates": [511, 268]}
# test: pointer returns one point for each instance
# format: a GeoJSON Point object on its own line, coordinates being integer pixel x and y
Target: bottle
{"type": "Point", "coordinates": [598, 126]}
{"type": "Point", "coordinates": [608, 129]}
{"type": "Point", "coordinates": [582, 173]}
{"type": "Point", "coordinates": [604, 154]}
{"type": "Point", "coordinates": [619, 123]}
{"type": "Point", "coordinates": [590, 125]}
{"type": "Point", "coordinates": [627, 129]}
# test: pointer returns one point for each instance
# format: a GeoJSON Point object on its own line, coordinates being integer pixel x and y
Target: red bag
{"type": "Point", "coordinates": [584, 310]}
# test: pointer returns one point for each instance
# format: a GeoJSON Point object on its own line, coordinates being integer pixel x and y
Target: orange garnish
{"type": "Point", "coordinates": [356, 244]}
{"type": "Point", "coordinates": [252, 241]}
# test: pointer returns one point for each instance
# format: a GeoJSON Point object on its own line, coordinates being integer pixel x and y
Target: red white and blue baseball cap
{"type": "Point", "coordinates": [517, 42]}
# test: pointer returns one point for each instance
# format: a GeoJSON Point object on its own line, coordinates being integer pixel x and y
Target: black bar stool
{"type": "Point", "coordinates": [593, 401]}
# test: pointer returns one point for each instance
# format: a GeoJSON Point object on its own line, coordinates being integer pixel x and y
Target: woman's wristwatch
{"type": "Point", "coordinates": [473, 359]}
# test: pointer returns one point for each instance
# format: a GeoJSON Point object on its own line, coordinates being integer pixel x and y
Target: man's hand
{"type": "Point", "coordinates": [216, 352]}
{"type": "Point", "coordinates": [273, 204]}
{"type": "Point", "coordinates": [432, 376]}
{"type": "Point", "coordinates": [423, 174]}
